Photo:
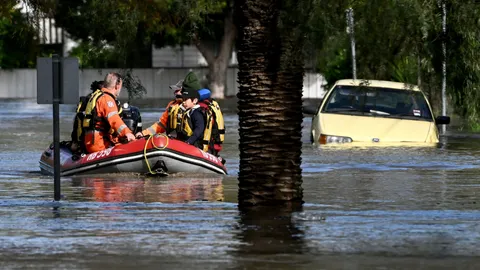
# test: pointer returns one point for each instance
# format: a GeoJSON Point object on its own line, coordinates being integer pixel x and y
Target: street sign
{"type": "Point", "coordinates": [69, 80]}
{"type": "Point", "coordinates": [44, 80]}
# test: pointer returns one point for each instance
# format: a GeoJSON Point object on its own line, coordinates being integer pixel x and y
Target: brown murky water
{"type": "Point", "coordinates": [365, 208]}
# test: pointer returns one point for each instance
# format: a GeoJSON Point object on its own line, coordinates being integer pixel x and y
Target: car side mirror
{"type": "Point", "coordinates": [442, 120]}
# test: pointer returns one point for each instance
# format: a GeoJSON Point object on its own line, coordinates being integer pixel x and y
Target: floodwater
{"type": "Point", "coordinates": [365, 208]}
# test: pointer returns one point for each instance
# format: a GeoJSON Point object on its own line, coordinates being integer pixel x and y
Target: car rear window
{"type": "Point", "coordinates": [388, 102]}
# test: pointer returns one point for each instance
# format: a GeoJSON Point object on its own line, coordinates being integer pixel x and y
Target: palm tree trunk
{"type": "Point", "coordinates": [270, 76]}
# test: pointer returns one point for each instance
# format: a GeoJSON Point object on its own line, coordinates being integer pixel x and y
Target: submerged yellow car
{"type": "Point", "coordinates": [372, 111]}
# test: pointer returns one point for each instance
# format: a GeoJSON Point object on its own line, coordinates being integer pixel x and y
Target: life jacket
{"type": "Point", "coordinates": [86, 117]}
{"type": "Point", "coordinates": [218, 129]}
{"type": "Point", "coordinates": [186, 128]}
{"type": "Point", "coordinates": [175, 115]}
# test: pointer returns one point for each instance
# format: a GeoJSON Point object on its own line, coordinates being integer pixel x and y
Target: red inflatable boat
{"type": "Point", "coordinates": [157, 154]}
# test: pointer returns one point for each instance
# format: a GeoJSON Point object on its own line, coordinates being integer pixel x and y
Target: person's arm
{"type": "Point", "coordinates": [107, 108]}
{"type": "Point", "coordinates": [157, 127]}
{"type": "Point", "coordinates": [198, 126]}
{"type": "Point", "coordinates": [161, 125]}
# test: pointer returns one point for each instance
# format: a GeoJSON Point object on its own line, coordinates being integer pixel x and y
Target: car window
{"type": "Point", "coordinates": [388, 102]}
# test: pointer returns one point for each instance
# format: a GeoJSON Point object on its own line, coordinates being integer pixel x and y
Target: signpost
{"type": "Point", "coordinates": [57, 83]}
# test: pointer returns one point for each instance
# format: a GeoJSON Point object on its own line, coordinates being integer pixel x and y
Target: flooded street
{"type": "Point", "coordinates": [365, 208]}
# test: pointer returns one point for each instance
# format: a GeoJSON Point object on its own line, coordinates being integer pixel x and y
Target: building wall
{"type": "Point", "coordinates": [22, 83]}
{"type": "Point", "coordinates": [182, 57]}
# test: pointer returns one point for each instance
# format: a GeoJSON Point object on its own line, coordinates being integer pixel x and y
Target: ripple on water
{"type": "Point", "coordinates": [405, 203]}
{"type": "Point", "coordinates": [190, 229]}
{"type": "Point", "coordinates": [399, 233]}
{"type": "Point", "coordinates": [320, 160]}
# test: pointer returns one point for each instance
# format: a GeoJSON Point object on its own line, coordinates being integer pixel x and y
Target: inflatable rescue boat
{"type": "Point", "coordinates": [156, 154]}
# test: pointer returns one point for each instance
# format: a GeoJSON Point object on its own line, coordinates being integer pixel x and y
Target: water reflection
{"type": "Point", "coordinates": [267, 233]}
{"type": "Point", "coordinates": [139, 189]}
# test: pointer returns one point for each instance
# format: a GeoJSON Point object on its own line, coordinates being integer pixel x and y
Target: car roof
{"type": "Point", "coordinates": [378, 83]}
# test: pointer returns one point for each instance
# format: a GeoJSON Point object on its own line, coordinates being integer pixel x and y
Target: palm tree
{"type": "Point", "coordinates": [271, 69]}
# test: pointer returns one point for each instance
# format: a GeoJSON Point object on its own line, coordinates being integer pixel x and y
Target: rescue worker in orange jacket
{"type": "Point", "coordinates": [107, 118]}
{"type": "Point", "coordinates": [170, 112]}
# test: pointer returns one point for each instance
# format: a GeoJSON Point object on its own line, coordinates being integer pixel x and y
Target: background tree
{"type": "Point", "coordinates": [18, 43]}
{"type": "Point", "coordinates": [387, 35]}
{"type": "Point", "coordinates": [401, 41]}
{"type": "Point", "coordinates": [396, 40]}
{"type": "Point", "coordinates": [271, 60]}
{"type": "Point", "coordinates": [463, 54]}
{"type": "Point", "coordinates": [122, 32]}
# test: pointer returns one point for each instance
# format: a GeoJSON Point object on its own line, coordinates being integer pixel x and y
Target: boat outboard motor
{"type": "Point", "coordinates": [132, 118]}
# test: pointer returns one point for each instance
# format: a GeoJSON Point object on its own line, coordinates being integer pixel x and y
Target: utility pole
{"type": "Point", "coordinates": [351, 32]}
{"type": "Point", "coordinates": [444, 62]}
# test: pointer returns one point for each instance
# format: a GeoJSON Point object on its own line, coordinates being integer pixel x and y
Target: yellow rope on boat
{"type": "Point", "coordinates": [154, 146]}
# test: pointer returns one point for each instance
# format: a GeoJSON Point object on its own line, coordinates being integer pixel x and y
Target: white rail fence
{"type": "Point", "coordinates": [22, 83]}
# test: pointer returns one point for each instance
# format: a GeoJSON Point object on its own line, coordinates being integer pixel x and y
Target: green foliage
{"type": "Point", "coordinates": [395, 40]}
{"type": "Point", "coordinates": [402, 41]}
{"type": "Point", "coordinates": [334, 60]}
{"type": "Point", "coordinates": [18, 46]}
{"type": "Point", "coordinates": [405, 70]}
{"type": "Point", "coordinates": [473, 126]}
{"type": "Point", "coordinates": [95, 56]}
{"type": "Point", "coordinates": [120, 33]}
{"type": "Point", "coordinates": [386, 35]}
{"type": "Point", "coordinates": [111, 30]}
{"type": "Point", "coordinates": [463, 52]}
{"type": "Point", "coordinates": [129, 28]}
{"type": "Point", "coordinates": [386, 32]}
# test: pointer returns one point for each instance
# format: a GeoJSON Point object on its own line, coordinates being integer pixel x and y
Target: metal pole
{"type": "Point", "coordinates": [56, 126]}
{"type": "Point", "coordinates": [351, 31]}
{"type": "Point", "coordinates": [444, 63]}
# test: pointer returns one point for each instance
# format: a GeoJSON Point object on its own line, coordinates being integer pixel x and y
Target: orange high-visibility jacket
{"type": "Point", "coordinates": [159, 127]}
{"type": "Point", "coordinates": [100, 138]}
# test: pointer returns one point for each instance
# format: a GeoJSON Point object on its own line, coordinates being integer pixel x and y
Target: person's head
{"type": "Point", "coordinates": [177, 89]}
{"type": "Point", "coordinates": [113, 81]}
{"type": "Point", "coordinates": [190, 87]}
{"type": "Point", "coordinates": [190, 98]}
{"type": "Point", "coordinates": [96, 85]}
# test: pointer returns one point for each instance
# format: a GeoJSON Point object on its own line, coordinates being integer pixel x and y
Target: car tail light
{"type": "Point", "coordinates": [325, 139]}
